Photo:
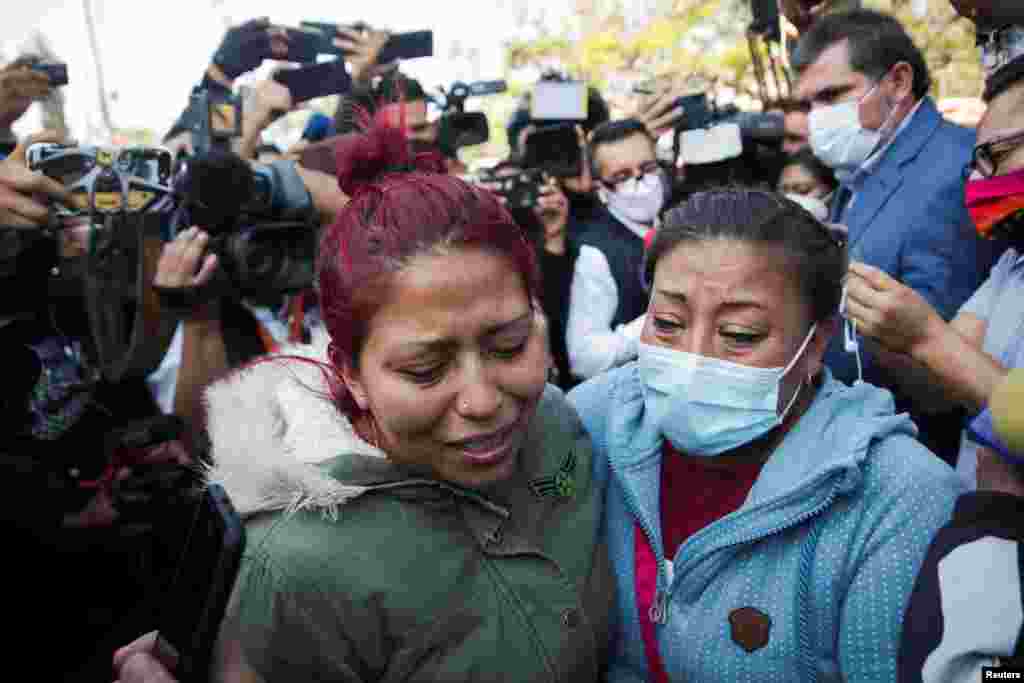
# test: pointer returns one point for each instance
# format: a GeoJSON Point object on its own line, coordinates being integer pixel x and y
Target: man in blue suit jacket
{"type": "Point", "coordinates": [901, 167]}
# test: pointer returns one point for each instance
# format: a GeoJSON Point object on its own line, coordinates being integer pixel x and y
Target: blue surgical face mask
{"type": "Point", "coordinates": [706, 406]}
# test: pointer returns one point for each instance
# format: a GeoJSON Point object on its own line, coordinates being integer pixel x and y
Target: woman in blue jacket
{"type": "Point", "coordinates": [765, 521]}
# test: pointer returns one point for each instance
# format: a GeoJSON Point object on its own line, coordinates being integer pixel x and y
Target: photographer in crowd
{"type": "Point", "coordinates": [227, 332]}
{"type": "Point", "coordinates": [874, 124]}
{"type": "Point", "coordinates": [550, 227]}
{"type": "Point", "coordinates": [584, 204]}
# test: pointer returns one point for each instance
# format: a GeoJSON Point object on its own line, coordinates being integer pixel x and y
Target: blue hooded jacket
{"type": "Point", "coordinates": [827, 545]}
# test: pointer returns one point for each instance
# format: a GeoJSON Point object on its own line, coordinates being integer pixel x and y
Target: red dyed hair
{"type": "Point", "coordinates": [401, 205]}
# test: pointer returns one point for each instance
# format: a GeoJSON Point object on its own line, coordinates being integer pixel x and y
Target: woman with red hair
{"type": "Point", "coordinates": [418, 502]}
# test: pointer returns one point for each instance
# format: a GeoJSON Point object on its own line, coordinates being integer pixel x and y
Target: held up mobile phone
{"type": "Point", "coordinates": [316, 80]}
{"type": "Point", "coordinates": [305, 44]}
{"type": "Point", "coordinates": [195, 603]}
{"type": "Point", "coordinates": [55, 71]}
{"type": "Point", "coordinates": [411, 45]}
{"type": "Point", "coordinates": [521, 189]}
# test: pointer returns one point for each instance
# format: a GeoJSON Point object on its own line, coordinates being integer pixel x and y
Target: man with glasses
{"type": "Point", "coordinates": [607, 293]}
{"type": "Point", "coordinates": [900, 168]}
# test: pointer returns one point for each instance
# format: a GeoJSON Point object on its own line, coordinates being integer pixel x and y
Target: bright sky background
{"type": "Point", "coordinates": [153, 52]}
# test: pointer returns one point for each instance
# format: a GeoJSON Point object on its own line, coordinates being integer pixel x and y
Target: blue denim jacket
{"type": "Point", "coordinates": [827, 544]}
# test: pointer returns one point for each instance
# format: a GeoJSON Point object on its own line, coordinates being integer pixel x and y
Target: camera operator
{"type": "Point", "coordinates": [583, 202]}
{"type": "Point", "coordinates": [20, 86]}
{"type": "Point", "coordinates": [705, 145]}
{"type": "Point", "coordinates": [219, 332]}
{"type": "Point", "coordinates": [552, 230]}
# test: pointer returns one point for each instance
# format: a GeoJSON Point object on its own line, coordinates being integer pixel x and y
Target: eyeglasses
{"type": "Point", "coordinates": [989, 155]}
{"type": "Point", "coordinates": [645, 168]}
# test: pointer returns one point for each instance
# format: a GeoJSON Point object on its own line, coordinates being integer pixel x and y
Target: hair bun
{"type": "Point", "coordinates": [365, 158]}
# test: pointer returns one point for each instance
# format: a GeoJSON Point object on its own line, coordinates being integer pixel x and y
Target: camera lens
{"type": "Point", "coordinates": [258, 259]}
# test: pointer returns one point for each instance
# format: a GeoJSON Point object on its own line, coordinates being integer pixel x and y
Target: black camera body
{"type": "Point", "coordinates": [459, 128]}
{"type": "Point", "coordinates": [519, 187]}
{"type": "Point", "coordinates": [261, 220]}
{"type": "Point", "coordinates": [55, 71]}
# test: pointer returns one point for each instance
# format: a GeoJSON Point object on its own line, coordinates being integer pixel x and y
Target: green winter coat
{"type": "Point", "coordinates": [357, 570]}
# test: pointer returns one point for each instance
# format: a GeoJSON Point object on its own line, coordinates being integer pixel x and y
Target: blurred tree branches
{"type": "Point", "coordinates": [705, 41]}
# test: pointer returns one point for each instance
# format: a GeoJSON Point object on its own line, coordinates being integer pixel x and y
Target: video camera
{"type": "Point", "coordinates": [519, 187]}
{"type": "Point", "coordinates": [260, 218]}
{"type": "Point", "coordinates": [558, 105]}
{"type": "Point", "coordinates": [700, 115]}
{"type": "Point", "coordinates": [459, 128]}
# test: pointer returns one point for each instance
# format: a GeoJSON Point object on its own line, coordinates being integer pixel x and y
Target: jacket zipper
{"type": "Point", "coordinates": [794, 521]}
{"type": "Point", "coordinates": [805, 655]}
{"type": "Point", "coordinates": [658, 613]}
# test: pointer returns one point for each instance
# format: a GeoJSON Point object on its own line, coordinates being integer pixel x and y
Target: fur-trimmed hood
{"type": "Point", "coordinates": [273, 429]}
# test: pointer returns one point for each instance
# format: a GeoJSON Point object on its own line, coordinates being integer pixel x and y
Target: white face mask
{"type": "Point", "coordinates": [638, 199]}
{"type": "Point", "coordinates": [840, 140]}
{"type": "Point", "coordinates": [814, 206]}
{"type": "Point", "coordinates": [706, 406]}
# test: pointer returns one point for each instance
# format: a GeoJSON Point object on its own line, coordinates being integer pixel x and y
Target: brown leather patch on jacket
{"type": "Point", "coordinates": [750, 628]}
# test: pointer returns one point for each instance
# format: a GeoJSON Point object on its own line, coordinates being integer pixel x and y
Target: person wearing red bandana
{"type": "Point", "coordinates": [963, 361]}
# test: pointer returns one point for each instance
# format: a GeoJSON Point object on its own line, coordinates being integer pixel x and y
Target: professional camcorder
{"type": "Point", "coordinates": [260, 218]}
{"type": "Point", "coordinates": [519, 187]}
{"type": "Point", "coordinates": [457, 127]}
{"type": "Point", "coordinates": [707, 132]}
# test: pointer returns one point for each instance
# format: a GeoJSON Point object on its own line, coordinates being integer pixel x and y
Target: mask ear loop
{"type": "Point", "coordinates": [803, 347]}
{"type": "Point", "coordinates": [850, 342]}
